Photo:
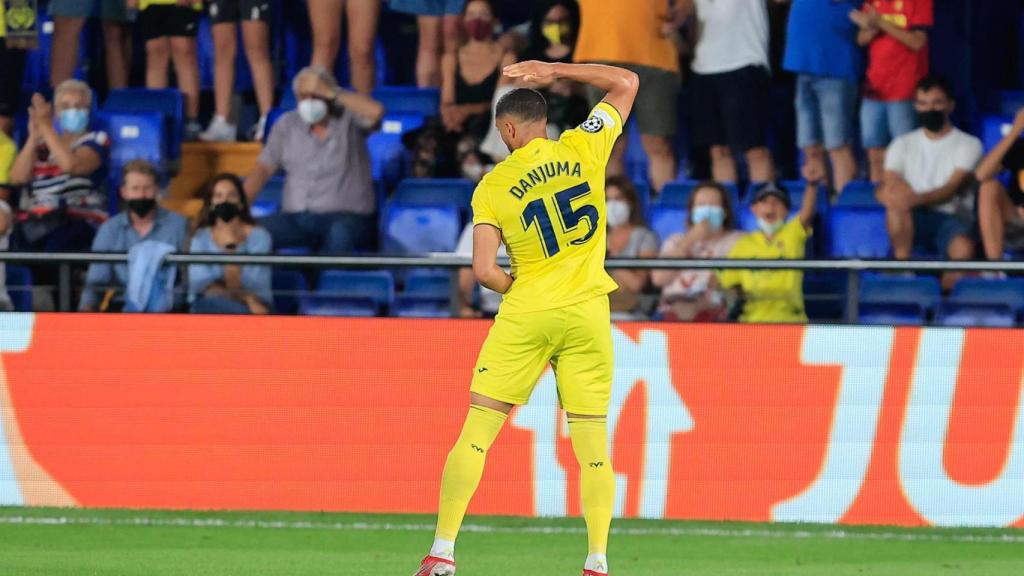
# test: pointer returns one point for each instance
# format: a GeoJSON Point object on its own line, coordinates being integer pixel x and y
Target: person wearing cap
{"type": "Point", "coordinates": [774, 295]}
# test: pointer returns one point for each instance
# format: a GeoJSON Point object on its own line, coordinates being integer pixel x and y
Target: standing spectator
{"type": "Point", "coordinates": [895, 32]}
{"type": "Point", "coordinates": [695, 295]}
{"type": "Point", "coordinates": [225, 226]}
{"type": "Point", "coordinates": [63, 169]}
{"type": "Point", "coordinates": [328, 201]}
{"type": "Point", "coordinates": [254, 17]}
{"type": "Point", "coordinates": [822, 50]}
{"type": "Point", "coordinates": [69, 18]}
{"type": "Point", "coordinates": [927, 175]}
{"type": "Point", "coordinates": [628, 237]}
{"type": "Point", "coordinates": [325, 17]}
{"type": "Point", "coordinates": [489, 300]}
{"type": "Point", "coordinates": [169, 28]}
{"type": "Point", "coordinates": [552, 38]}
{"type": "Point", "coordinates": [1001, 209]}
{"type": "Point", "coordinates": [774, 295]}
{"type": "Point", "coordinates": [637, 35]}
{"type": "Point", "coordinates": [730, 87]}
{"type": "Point", "coordinates": [438, 23]}
{"type": "Point", "coordinates": [143, 220]}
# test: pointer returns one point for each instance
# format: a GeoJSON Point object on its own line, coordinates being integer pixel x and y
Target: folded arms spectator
{"type": "Point", "coordinates": [1001, 208]}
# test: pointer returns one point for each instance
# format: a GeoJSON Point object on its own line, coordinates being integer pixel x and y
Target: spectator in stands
{"type": "Point", "coordinates": [169, 28]}
{"type": "Point", "coordinates": [730, 87]}
{"type": "Point", "coordinates": [69, 17]}
{"type": "Point", "coordinates": [62, 169]}
{"type": "Point", "coordinates": [439, 28]}
{"type": "Point", "coordinates": [12, 72]}
{"type": "Point", "coordinates": [254, 18]}
{"type": "Point", "coordinates": [329, 201]}
{"type": "Point", "coordinates": [695, 295]}
{"type": "Point", "coordinates": [628, 237]}
{"type": "Point", "coordinates": [225, 226]}
{"type": "Point", "coordinates": [822, 50]}
{"type": "Point", "coordinates": [895, 32]}
{"type": "Point", "coordinates": [1001, 208]}
{"type": "Point", "coordinates": [6, 226]}
{"type": "Point", "coordinates": [487, 304]}
{"type": "Point", "coordinates": [142, 220]}
{"type": "Point", "coordinates": [637, 35]}
{"type": "Point", "coordinates": [325, 17]}
{"type": "Point", "coordinates": [553, 30]}
{"type": "Point", "coordinates": [774, 295]}
{"type": "Point", "coordinates": [928, 173]}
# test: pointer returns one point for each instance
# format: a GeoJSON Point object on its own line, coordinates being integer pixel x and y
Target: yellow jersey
{"type": "Point", "coordinates": [143, 4]}
{"type": "Point", "coordinates": [771, 295]}
{"type": "Point", "coordinates": [547, 199]}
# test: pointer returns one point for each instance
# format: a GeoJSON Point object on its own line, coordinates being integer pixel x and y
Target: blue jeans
{"type": "Point", "coordinates": [825, 109]}
{"type": "Point", "coordinates": [882, 122]}
{"type": "Point", "coordinates": [327, 233]}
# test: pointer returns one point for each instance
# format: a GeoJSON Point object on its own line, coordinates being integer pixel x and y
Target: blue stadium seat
{"type": "Point", "coordinates": [133, 135]}
{"type": "Point", "coordinates": [857, 232]}
{"type": "Point", "coordinates": [966, 314]}
{"type": "Point", "coordinates": [458, 191]}
{"type": "Point", "coordinates": [387, 152]}
{"type": "Point", "coordinates": [169, 103]}
{"type": "Point", "coordinates": [269, 200]}
{"type": "Point", "coordinates": [288, 286]}
{"type": "Point", "coordinates": [410, 306]}
{"type": "Point", "coordinates": [19, 287]}
{"type": "Point", "coordinates": [825, 295]}
{"type": "Point", "coordinates": [891, 314]}
{"type": "Point", "coordinates": [321, 305]}
{"type": "Point", "coordinates": [635, 158]}
{"type": "Point", "coordinates": [667, 220]}
{"type": "Point", "coordinates": [899, 292]}
{"type": "Point", "coordinates": [993, 128]}
{"type": "Point", "coordinates": [409, 100]}
{"type": "Point", "coordinates": [428, 284]}
{"type": "Point", "coordinates": [376, 285]}
{"type": "Point", "coordinates": [1008, 292]}
{"type": "Point", "coordinates": [677, 193]}
{"type": "Point", "coordinates": [860, 194]}
{"type": "Point", "coordinates": [1009, 101]}
{"type": "Point", "coordinates": [420, 228]}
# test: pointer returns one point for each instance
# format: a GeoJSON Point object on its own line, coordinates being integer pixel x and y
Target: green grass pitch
{"type": "Point", "coordinates": [54, 542]}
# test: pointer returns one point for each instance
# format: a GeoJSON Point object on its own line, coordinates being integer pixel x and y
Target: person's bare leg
{"type": "Point", "coordinates": [117, 44]}
{"type": "Point", "coordinates": [158, 58]}
{"type": "Point", "coordinates": [256, 38]}
{"type": "Point", "coordinates": [876, 164]}
{"type": "Point", "coordinates": [844, 167]}
{"type": "Point", "coordinates": [325, 18]}
{"type": "Point", "coordinates": [900, 224]}
{"type": "Point", "coordinates": [64, 52]}
{"type": "Point", "coordinates": [225, 52]}
{"type": "Point", "coordinates": [723, 165]}
{"type": "Point", "coordinates": [994, 210]}
{"type": "Point", "coordinates": [183, 52]}
{"type": "Point", "coordinates": [428, 54]}
{"type": "Point", "coordinates": [451, 33]}
{"type": "Point", "coordinates": [961, 248]}
{"type": "Point", "coordinates": [362, 31]}
{"type": "Point", "coordinates": [661, 159]}
{"type": "Point", "coordinates": [760, 164]}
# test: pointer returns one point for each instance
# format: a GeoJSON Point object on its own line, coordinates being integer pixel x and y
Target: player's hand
{"type": "Point", "coordinates": [532, 71]}
{"type": "Point", "coordinates": [1018, 122]}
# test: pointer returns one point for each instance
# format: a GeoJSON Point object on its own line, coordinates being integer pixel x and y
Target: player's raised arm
{"type": "Point", "coordinates": [619, 84]}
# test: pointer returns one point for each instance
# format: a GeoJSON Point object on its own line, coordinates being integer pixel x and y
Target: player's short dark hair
{"type": "Point", "coordinates": [931, 81]}
{"type": "Point", "coordinates": [525, 104]}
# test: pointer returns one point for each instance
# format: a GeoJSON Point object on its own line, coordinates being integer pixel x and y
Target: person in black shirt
{"type": "Point", "coordinates": [1001, 208]}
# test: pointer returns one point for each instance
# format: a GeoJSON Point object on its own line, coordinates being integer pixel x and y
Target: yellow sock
{"type": "Point", "coordinates": [597, 480]}
{"type": "Point", "coordinates": [465, 466]}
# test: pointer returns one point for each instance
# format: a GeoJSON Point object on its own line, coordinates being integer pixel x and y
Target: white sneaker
{"type": "Point", "coordinates": [258, 130]}
{"type": "Point", "coordinates": [219, 131]}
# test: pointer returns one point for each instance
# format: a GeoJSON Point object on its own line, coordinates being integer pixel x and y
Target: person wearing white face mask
{"type": "Point", "coordinates": [695, 295]}
{"type": "Point", "coordinates": [775, 295]}
{"type": "Point", "coordinates": [628, 237]}
{"type": "Point", "coordinates": [328, 204]}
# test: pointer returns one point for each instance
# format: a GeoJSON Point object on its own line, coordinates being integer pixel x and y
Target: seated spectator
{"type": "Point", "coordinates": [62, 170]}
{"type": "Point", "coordinates": [1001, 208]}
{"type": "Point", "coordinates": [328, 203]}
{"type": "Point", "coordinates": [6, 225]}
{"type": "Point", "coordinates": [487, 304]}
{"type": "Point", "coordinates": [928, 173]}
{"type": "Point", "coordinates": [774, 295]}
{"type": "Point", "coordinates": [438, 22]}
{"type": "Point", "coordinates": [143, 219]}
{"type": "Point", "coordinates": [169, 28]}
{"type": "Point", "coordinates": [225, 226]}
{"type": "Point", "coordinates": [628, 237]}
{"type": "Point", "coordinates": [695, 295]}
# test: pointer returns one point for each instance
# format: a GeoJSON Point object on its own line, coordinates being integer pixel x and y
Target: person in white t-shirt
{"type": "Point", "coordinates": [487, 306]}
{"type": "Point", "coordinates": [928, 175]}
{"type": "Point", "coordinates": [730, 86]}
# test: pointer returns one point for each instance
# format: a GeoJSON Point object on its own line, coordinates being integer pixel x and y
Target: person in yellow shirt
{"type": "Point", "coordinates": [12, 72]}
{"type": "Point", "coordinates": [546, 201]}
{"type": "Point", "coordinates": [169, 28]}
{"type": "Point", "coordinates": [774, 295]}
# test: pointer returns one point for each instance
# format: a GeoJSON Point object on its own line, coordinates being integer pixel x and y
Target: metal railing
{"type": "Point", "coordinates": [65, 260]}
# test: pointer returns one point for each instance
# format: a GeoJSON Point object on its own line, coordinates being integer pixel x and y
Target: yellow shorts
{"type": "Point", "coordinates": [576, 340]}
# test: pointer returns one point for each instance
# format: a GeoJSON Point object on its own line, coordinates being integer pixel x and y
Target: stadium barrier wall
{"type": "Point", "coordinates": [852, 425]}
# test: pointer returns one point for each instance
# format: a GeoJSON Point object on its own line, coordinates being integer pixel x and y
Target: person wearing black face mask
{"type": "Point", "coordinates": [226, 226]}
{"type": "Point", "coordinates": [141, 219]}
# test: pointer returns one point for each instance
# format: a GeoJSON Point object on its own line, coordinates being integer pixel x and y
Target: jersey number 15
{"type": "Point", "coordinates": [569, 218]}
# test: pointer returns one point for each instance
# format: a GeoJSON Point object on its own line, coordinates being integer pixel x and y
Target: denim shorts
{"type": "Point", "coordinates": [428, 7]}
{"type": "Point", "coordinates": [108, 9]}
{"type": "Point", "coordinates": [881, 122]}
{"type": "Point", "coordinates": [825, 109]}
{"type": "Point", "coordinates": [934, 231]}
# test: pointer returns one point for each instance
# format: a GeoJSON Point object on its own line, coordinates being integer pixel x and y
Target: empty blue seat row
{"type": "Point", "coordinates": [913, 300]}
{"type": "Point", "coordinates": [372, 293]}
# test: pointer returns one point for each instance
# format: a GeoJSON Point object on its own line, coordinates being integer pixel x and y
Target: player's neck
{"type": "Point", "coordinates": [529, 137]}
